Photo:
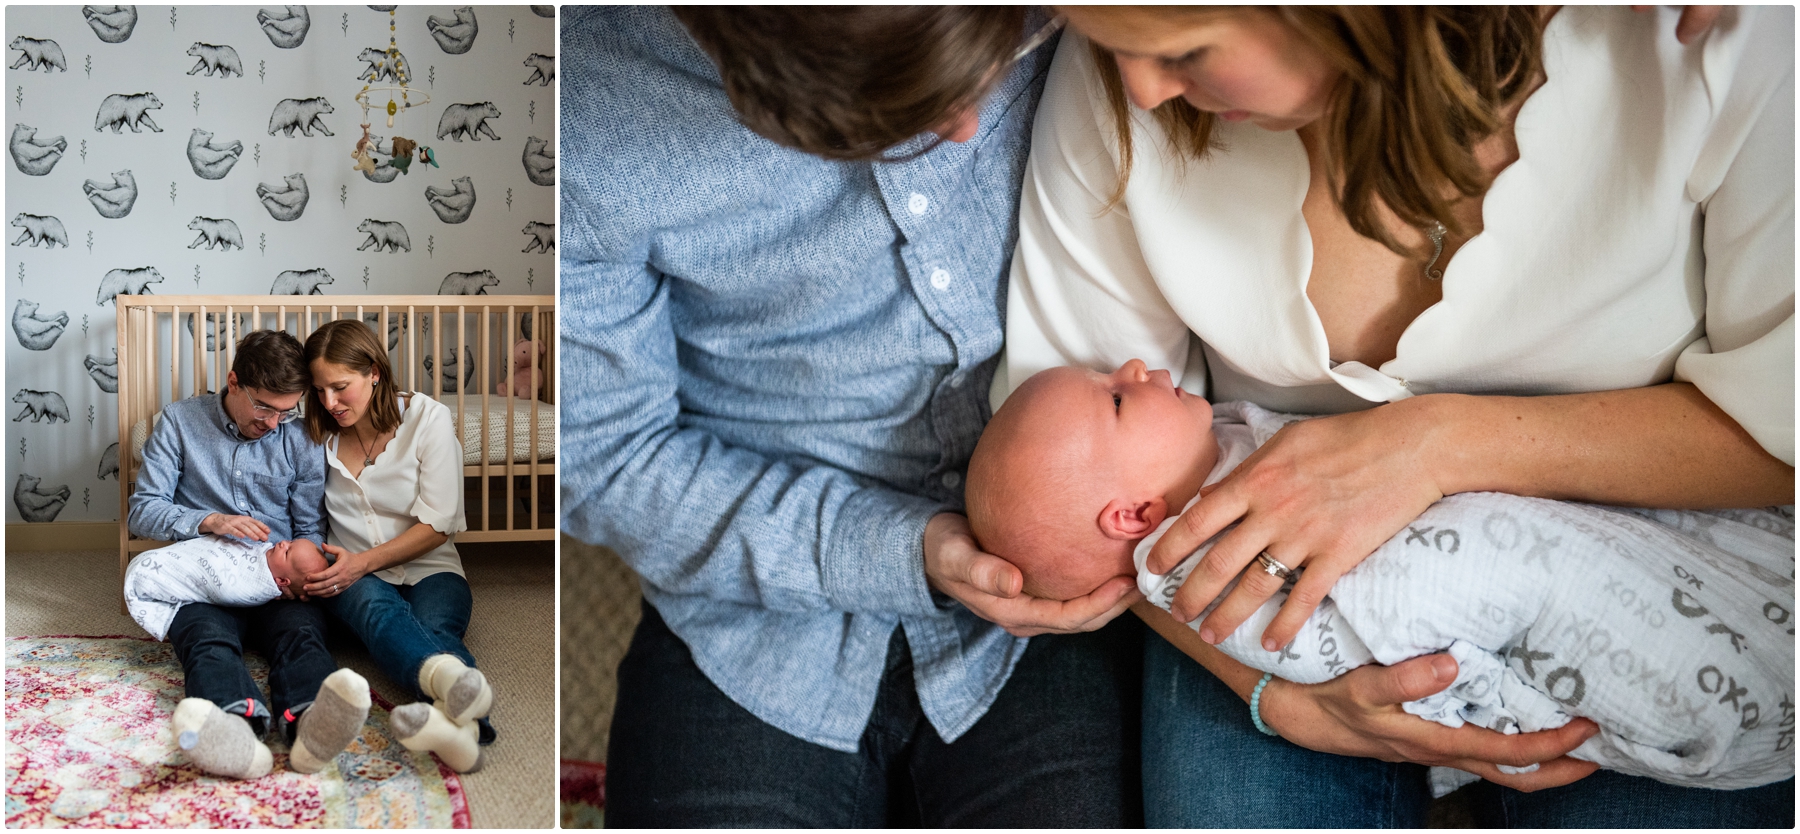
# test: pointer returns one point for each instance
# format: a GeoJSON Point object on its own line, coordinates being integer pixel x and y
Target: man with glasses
{"type": "Point", "coordinates": [791, 232]}
{"type": "Point", "coordinates": [237, 463]}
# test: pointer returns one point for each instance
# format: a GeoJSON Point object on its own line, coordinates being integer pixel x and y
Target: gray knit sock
{"type": "Point", "coordinates": [461, 691]}
{"type": "Point", "coordinates": [218, 742]}
{"type": "Point", "coordinates": [333, 721]}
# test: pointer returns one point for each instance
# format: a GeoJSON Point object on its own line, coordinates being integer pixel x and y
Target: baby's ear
{"type": "Point", "coordinates": [283, 582]}
{"type": "Point", "coordinates": [1127, 520]}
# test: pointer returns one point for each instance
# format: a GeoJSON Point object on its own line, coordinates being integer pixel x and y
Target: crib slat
{"type": "Point", "coordinates": [537, 332]}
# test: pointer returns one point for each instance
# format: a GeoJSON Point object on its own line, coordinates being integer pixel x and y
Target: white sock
{"type": "Point", "coordinates": [423, 728]}
{"type": "Point", "coordinates": [460, 691]}
{"type": "Point", "coordinates": [219, 742]}
{"type": "Point", "coordinates": [333, 721]}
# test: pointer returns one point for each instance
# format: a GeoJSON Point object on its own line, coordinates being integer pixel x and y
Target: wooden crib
{"type": "Point", "coordinates": [172, 346]}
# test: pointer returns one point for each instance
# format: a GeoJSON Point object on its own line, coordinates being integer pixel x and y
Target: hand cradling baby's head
{"type": "Point", "coordinates": [1077, 466]}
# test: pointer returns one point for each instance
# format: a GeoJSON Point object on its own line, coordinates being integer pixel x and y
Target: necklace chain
{"type": "Point", "coordinates": [368, 455]}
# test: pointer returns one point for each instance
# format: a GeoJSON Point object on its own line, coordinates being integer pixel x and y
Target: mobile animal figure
{"type": "Point", "coordinates": [34, 504]}
{"type": "Point", "coordinates": [37, 54]}
{"type": "Point", "coordinates": [215, 58]}
{"type": "Point", "coordinates": [120, 110]}
{"type": "Point", "coordinates": [34, 158]}
{"type": "Point", "coordinates": [287, 201]}
{"type": "Point", "coordinates": [113, 200]}
{"type": "Point", "coordinates": [40, 228]}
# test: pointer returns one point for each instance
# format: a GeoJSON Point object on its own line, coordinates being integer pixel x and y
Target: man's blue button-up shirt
{"type": "Point", "coordinates": [196, 463]}
{"type": "Point", "coordinates": [777, 367]}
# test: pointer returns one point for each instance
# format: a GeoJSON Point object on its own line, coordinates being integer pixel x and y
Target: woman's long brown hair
{"type": "Point", "coordinates": [1421, 85]}
{"type": "Point", "coordinates": [351, 344]}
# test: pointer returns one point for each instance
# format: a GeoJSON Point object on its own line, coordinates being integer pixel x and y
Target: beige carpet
{"type": "Point", "coordinates": [511, 634]}
{"type": "Point", "coordinates": [599, 612]}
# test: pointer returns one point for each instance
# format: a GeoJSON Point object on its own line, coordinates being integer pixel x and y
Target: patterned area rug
{"type": "Point", "coordinates": [88, 745]}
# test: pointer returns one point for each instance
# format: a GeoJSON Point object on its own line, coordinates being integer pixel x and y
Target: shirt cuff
{"type": "Point", "coordinates": [875, 560]}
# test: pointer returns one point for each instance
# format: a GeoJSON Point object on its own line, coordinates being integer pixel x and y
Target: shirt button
{"type": "Point", "coordinates": [956, 380]}
{"type": "Point", "coordinates": [918, 203]}
{"type": "Point", "coordinates": [940, 279]}
{"type": "Point", "coordinates": [951, 479]}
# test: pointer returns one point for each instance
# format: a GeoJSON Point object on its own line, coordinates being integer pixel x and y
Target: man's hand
{"type": "Point", "coordinates": [1358, 714]}
{"type": "Point", "coordinates": [989, 586]}
{"type": "Point", "coordinates": [236, 526]}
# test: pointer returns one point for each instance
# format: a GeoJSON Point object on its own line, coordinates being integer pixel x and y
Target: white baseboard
{"type": "Point", "coordinates": [63, 535]}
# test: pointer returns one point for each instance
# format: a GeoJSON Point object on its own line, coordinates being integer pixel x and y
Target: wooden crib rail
{"type": "Point", "coordinates": [159, 363]}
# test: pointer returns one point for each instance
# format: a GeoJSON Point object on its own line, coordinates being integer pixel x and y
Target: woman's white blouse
{"type": "Point", "coordinates": [417, 479]}
{"type": "Point", "coordinates": [1645, 234]}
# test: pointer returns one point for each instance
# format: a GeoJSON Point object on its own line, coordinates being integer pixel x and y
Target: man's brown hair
{"type": "Point", "coordinates": [270, 360]}
{"type": "Point", "coordinates": [1421, 86]}
{"type": "Point", "coordinates": [351, 344]}
{"type": "Point", "coordinates": [851, 82]}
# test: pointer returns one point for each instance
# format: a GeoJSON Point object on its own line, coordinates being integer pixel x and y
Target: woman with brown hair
{"type": "Point", "coordinates": [394, 494]}
{"type": "Point", "coordinates": [1544, 252]}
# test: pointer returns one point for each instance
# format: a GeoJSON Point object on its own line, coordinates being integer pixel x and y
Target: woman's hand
{"type": "Point", "coordinates": [343, 573]}
{"type": "Point", "coordinates": [1358, 714]}
{"type": "Point", "coordinates": [1321, 494]}
{"type": "Point", "coordinates": [989, 586]}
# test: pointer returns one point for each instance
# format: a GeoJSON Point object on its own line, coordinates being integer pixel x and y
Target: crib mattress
{"type": "Point", "coordinates": [469, 425]}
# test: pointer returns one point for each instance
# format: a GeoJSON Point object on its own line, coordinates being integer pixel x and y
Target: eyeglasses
{"type": "Point", "coordinates": [1037, 40]}
{"type": "Point", "coordinates": [261, 412]}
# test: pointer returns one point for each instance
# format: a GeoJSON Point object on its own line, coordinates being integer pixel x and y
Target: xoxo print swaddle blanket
{"type": "Point", "coordinates": [1673, 630]}
{"type": "Point", "coordinates": [215, 569]}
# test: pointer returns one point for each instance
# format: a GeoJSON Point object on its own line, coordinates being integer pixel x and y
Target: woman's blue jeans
{"type": "Point", "coordinates": [1206, 766]}
{"type": "Point", "coordinates": [402, 625]}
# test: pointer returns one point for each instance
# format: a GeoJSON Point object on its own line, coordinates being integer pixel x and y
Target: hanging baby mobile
{"type": "Point", "coordinates": [392, 66]}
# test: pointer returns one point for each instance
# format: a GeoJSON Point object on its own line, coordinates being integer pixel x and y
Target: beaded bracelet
{"type": "Point", "coordinates": [1256, 705]}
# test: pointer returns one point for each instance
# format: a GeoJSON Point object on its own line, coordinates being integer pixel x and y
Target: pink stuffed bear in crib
{"type": "Point", "coordinates": [524, 376]}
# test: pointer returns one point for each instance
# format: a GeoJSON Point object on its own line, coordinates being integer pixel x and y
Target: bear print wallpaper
{"type": "Point", "coordinates": [218, 150]}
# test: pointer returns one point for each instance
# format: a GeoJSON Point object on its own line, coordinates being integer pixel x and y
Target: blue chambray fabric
{"type": "Point", "coordinates": [776, 367]}
{"type": "Point", "coordinates": [196, 464]}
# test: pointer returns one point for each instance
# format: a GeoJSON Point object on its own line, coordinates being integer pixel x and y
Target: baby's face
{"type": "Point", "coordinates": [1141, 430]}
{"type": "Point", "coordinates": [291, 562]}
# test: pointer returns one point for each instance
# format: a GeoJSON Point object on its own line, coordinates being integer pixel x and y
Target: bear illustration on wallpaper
{"type": "Point", "coordinates": [543, 69]}
{"type": "Point", "coordinates": [35, 54]}
{"type": "Point", "coordinates": [41, 405]}
{"type": "Point", "coordinates": [216, 231]}
{"type": "Point", "coordinates": [32, 157]}
{"type": "Point", "coordinates": [215, 58]}
{"type": "Point", "coordinates": [40, 228]}
{"type": "Point", "coordinates": [104, 372]}
{"type": "Point", "coordinates": [122, 110]}
{"type": "Point", "coordinates": [286, 27]}
{"type": "Point", "coordinates": [113, 200]}
{"type": "Point", "coordinates": [286, 201]}
{"type": "Point", "coordinates": [109, 462]}
{"type": "Point", "coordinates": [468, 283]}
{"type": "Point", "coordinates": [214, 323]}
{"type": "Point", "coordinates": [36, 332]}
{"type": "Point", "coordinates": [469, 120]}
{"type": "Point", "coordinates": [126, 282]}
{"type": "Point", "coordinates": [449, 371]}
{"type": "Point", "coordinates": [543, 236]}
{"type": "Point", "coordinates": [540, 161]}
{"type": "Point", "coordinates": [454, 35]}
{"type": "Point", "coordinates": [212, 160]}
{"type": "Point", "coordinates": [382, 233]}
{"type": "Point", "coordinates": [36, 504]}
{"type": "Point", "coordinates": [302, 114]}
{"type": "Point", "coordinates": [112, 24]}
{"type": "Point", "coordinates": [382, 68]}
{"type": "Point", "coordinates": [453, 205]}
{"type": "Point", "coordinates": [300, 282]}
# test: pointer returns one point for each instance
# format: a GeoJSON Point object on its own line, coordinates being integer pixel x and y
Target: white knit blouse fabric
{"type": "Point", "coordinates": [417, 479]}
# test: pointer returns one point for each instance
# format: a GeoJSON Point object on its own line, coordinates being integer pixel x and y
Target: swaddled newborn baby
{"type": "Point", "coordinates": [215, 569]}
{"type": "Point", "coordinates": [1671, 630]}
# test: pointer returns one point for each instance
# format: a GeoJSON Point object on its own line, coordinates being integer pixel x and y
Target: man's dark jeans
{"type": "Point", "coordinates": [1058, 748]}
{"type": "Point", "coordinates": [210, 641]}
